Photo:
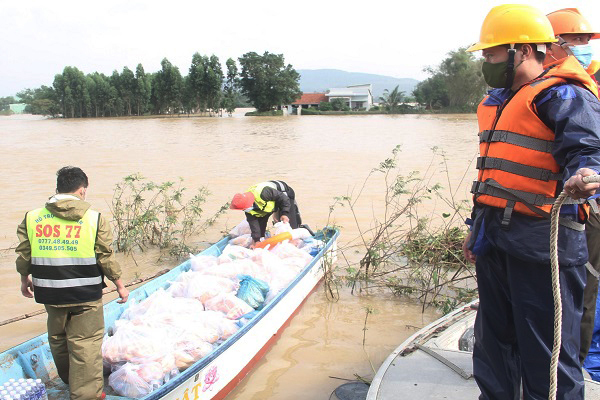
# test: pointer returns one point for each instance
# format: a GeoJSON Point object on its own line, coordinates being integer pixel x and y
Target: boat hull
{"type": "Point", "coordinates": [429, 364]}
{"type": "Point", "coordinates": [212, 377]}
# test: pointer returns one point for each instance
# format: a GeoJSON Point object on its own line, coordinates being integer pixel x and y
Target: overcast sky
{"type": "Point", "coordinates": [397, 38]}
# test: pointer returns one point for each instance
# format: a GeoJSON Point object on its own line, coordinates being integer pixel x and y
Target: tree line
{"type": "Point", "coordinates": [263, 80]}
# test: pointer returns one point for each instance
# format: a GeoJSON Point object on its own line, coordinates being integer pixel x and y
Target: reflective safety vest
{"type": "Point", "coordinates": [63, 258]}
{"type": "Point", "coordinates": [517, 171]}
{"type": "Point", "coordinates": [261, 207]}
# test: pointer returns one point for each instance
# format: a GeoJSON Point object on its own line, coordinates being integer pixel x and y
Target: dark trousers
{"type": "Point", "coordinates": [514, 328]}
{"type": "Point", "coordinates": [592, 233]}
{"type": "Point", "coordinates": [295, 218]}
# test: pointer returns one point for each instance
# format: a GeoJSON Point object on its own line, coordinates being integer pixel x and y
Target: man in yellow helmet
{"type": "Point", "coordinates": [538, 134]}
{"type": "Point", "coordinates": [64, 253]}
{"type": "Point", "coordinates": [573, 32]}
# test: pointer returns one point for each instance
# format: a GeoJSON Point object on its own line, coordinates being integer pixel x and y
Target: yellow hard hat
{"type": "Point", "coordinates": [514, 23]}
{"type": "Point", "coordinates": [570, 20]}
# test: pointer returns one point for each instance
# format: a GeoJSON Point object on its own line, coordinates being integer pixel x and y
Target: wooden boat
{"type": "Point", "coordinates": [431, 365]}
{"type": "Point", "coordinates": [214, 375]}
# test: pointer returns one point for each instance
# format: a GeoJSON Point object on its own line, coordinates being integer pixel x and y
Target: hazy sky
{"type": "Point", "coordinates": [397, 38]}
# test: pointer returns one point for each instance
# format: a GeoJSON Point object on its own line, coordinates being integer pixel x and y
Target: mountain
{"type": "Point", "coordinates": [320, 80]}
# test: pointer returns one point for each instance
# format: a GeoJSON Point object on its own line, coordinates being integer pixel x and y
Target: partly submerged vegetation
{"type": "Point", "coordinates": [413, 245]}
{"type": "Point", "coordinates": [148, 214]}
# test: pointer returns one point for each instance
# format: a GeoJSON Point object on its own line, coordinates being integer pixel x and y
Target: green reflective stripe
{"type": "Point", "coordinates": [64, 283]}
{"type": "Point", "coordinates": [516, 139]}
{"type": "Point", "coordinates": [527, 171]}
{"type": "Point", "coordinates": [63, 261]}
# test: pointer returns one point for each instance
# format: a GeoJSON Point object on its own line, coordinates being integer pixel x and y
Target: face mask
{"type": "Point", "coordinates": [495, 74]}
{"type": "Point", "coordinates": [583, 54]}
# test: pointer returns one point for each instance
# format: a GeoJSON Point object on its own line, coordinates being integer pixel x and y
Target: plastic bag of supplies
{"type": "Point", "coordinates": [252, 291]}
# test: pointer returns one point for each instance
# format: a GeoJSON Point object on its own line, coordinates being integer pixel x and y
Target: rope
{"type": "Point", "coordinates": [104, 292]}
{"type": "Point", "coordinates": [556, 286]}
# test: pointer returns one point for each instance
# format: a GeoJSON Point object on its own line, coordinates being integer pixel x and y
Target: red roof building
{"type": "Point", "coordinates": [310, 99]}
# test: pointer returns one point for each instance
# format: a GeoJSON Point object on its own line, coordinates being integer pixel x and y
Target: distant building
{"type": "Point", "coordinates": [310, 100]}
{"type": "Point", "coordinates": [17, 108]}
{"type": "Point", "coordinates": [356, 96]}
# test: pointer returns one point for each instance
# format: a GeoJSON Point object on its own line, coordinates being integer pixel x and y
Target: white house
{"type": "Point", "coordinates": [356, 96]}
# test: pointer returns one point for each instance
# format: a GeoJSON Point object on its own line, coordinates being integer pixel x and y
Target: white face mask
{"type": "Point", "coordinates": [583, 54]}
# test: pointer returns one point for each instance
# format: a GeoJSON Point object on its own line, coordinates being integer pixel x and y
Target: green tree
{"type": "Point", "coordinates": [231, 85]}
{"type": "Point", "coordinates": [142, 90]}
{"type": "Point", "coordinates": [432, 92]}
{"type": "Point", "coordinates": [90, 84]}
{"type": "Point", "coordinates": [188, 98]}
{"type": "Point", "coordinates": [196, 81]}
{"type": "Point", "coordinates": [126, 85]}
{"type": "Point", "coordinates": [116, 103]}
{"type": "Point", "coordinates": [267, 81]}
{"type": "Point", "coordinates": [169, 84]}
{"type": "Point", "coordinates": [101, 97]}
{"type": "Point", "coordinates": [457, 82]}
{"type": "Point", "coordinates": [40, 101]}
{"type": "Point", "coordinates": [391, 100]}
{"type": "Point", "coordinates": [213, 82]}
{"type": "Point", "coordinates": [339, 104]}
{"type": "Point", "coordinates": [325, 106]}
{"type": "Point", "coordinates": [72, 94]}
{"type": "Point", "coordinates": [5, 102]}
{"type": "Point", "coordinates": [463, 79]}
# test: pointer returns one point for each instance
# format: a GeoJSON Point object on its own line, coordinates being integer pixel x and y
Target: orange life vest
{"type": "Point", "coordinates": [516, 168]}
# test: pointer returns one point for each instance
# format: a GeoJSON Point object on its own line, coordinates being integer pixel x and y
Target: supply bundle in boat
{"type": "Point", "coordinates": [192, 332]}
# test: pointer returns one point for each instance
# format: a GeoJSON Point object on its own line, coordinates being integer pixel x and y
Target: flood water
{"type": "Point", "coordinates": [319, 156]}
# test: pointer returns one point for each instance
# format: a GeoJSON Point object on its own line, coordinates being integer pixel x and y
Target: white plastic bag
{"type": "Point", "coordinates": [200, 262]}
{"type": "Point", "coordinates": [286, 250]}
{"type": "Point", "coordinates": [282, 227]}
{"type": "Point", "coordinates": [188, 350]}
{"type": "Point", "coordinates": [230, 305]}
{"type": "Point", "coordinates": [301, 233]}
{"type": "Point", "coordinates": [137, 343]}
{"type": "Point", "coordinates": [243, 228]}
{"type": "Point", "coordinates": [232, 252]}
{"type": "Point", "coordinates": [217, 320]}
{"type": "Point", "coordinates": [242, 240]}
{"type": "Point", "coordinates": [205, 287]}
{"type": "Point", "coordinates": [127, 382]}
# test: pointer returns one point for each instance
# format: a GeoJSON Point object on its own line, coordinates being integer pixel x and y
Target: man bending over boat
{"type": "Point", "coordinates": [264, 199]}
{"type": "Point", "coordinates": [538, 134]}
{"type": "Point", "coordinates": [66, 248]}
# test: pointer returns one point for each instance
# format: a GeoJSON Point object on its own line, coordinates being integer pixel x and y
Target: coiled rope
{"type": "Point", "coordinates": [556, 286]}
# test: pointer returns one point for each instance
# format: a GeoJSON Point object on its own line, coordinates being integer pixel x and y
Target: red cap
{"type": "Point", "coordinates": [242, 201]}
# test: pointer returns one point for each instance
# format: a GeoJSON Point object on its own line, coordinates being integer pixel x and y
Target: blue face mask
{"type": "Point", "coordinates": [583, 54]}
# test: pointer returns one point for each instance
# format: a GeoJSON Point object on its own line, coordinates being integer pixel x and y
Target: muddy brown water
{"type": "Point", "coordinates": [319, 156]}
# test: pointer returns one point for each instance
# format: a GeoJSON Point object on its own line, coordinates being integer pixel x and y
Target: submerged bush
{"type": "Point", "coordinates": [149, 214]}
{"type": "Point", "coordinates": [404, 252]}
